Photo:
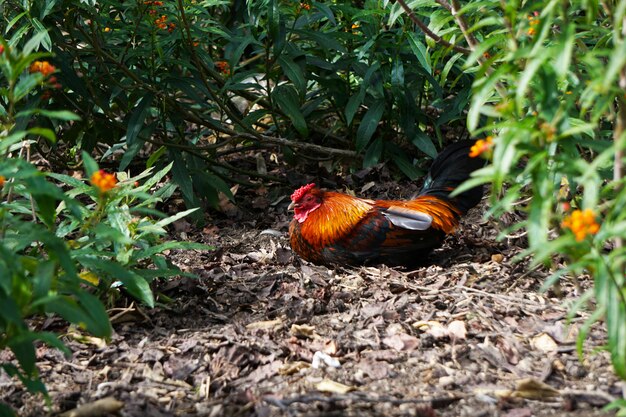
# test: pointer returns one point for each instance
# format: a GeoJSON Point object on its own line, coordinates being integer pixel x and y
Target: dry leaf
{"type": "Point", "coordinates": [402, 341]}
{"type": "Point", "coordinates": [457, 330]}
{"type": "Point", "coordinates": [328, 385]}
{"type": "Point", "coordinates": [102, 407]}
{"type": "Point", "coordinates": [265, 325]}
{"type": "Point", "coordinates": [304, 330]}
{"type": "Point", "coordinates": [433, 328]}
{"type": "Point", "coordinates": [544, 343]}
{"type": "Point", "coordinates": [293, 368]}
{"type": "Point", "coordinates": [87, 340]}
{"type": "Point", "coordinates": [497, 258]}
{"type": "Point", "coordinates": [321, 357]}
{"type": "Point", "coordinates": [534, 389]}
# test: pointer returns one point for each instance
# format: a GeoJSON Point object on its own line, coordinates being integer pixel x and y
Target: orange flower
{"type": "Point", "coordinates": [1, 49]}
{"type": "Point", "coordinates": [223, 67]}
{"type": "Point", "coordinates": [171, 27]}
{"type": "Point", "coordinates": [44, 67]}
{"type": "Point", "coordinates": [533, 21]}
{"type": "Point", "coordinates": [481, 146]}
{"type": "Point", "coordinates": [2, 180]}
{"type": "Point", "coordinates": [160, 22]}
{"type": "Point", "coordinates": [304, 6]}
{"type": "Point", "coordinates": [103, 180]}
{"type": "Point", "coordinates": [582, 223]}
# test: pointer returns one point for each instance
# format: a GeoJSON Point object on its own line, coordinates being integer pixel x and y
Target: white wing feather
{"type": "Point", "coordinates": [408, 219]}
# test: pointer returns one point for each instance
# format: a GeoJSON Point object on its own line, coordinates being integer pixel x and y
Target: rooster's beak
{"type": "Point", "coordinates": [292, 205]}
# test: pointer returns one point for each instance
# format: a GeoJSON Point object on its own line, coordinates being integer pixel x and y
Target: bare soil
{"type": "Point", "coordinates": [467, 334]}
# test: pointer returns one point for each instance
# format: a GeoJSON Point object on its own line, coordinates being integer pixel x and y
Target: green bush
{"type": "Point", "coordinates": [196, 82]}
{"type": "Point", "coordinates": [552, 95]}
{"type": "Point", "coordinates": [63, 241]}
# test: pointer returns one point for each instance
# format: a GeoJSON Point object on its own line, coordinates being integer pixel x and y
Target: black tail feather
{"type": "Point", "coordinates": [451, 168]}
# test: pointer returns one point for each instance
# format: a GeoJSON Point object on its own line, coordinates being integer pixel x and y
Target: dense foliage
{"type": "Point", "coordinates": [202, 86]}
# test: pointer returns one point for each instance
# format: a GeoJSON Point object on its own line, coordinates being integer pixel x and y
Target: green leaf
{"type": "Point", "coordinates": [155, 156]}
{"type": "Point", "coordinates": [24, 351]}
{"type": "Point", "coordinates": [563, 58]}
{"type": "Point", "coordinates": [41, 32]}
{"type": "Point", "coordinates": [52, 114]}
{"type": "Point", "coordinates": [137, 118]}
{"type": "Point", "coordinates": [287, 99]}
{"type": "Point", "coordinates": [135, 284]}
{"type": "Point", "coordinates": [5, 411]}
{"type": "Point", "coordinates": [91, 166]}
{"type": "Point", "coordinates": [177, 216]}
{"type": "Point", "coordinates": [153, 250]}
{"type": "Point", "coordinates": [293, 72]}
{"type": "Point", "coordinates": [180, 174]}
{"type": "Point", "coordinates": [369, 124]}
{"type": "Point", "coordinates": [419, 50]}
{"type": "Point", "coordinates": [424, 143]}
{"type": "Point", "coordinates": [373, 153]}
{"type": "Point", "coordinates": [528, 75]}
{"type": "Point", "coordinates": [42, 131]}
{"type": "Point", "coordinates": [354, 102]}
{"type": "Point", "coordinates": [26, 84]}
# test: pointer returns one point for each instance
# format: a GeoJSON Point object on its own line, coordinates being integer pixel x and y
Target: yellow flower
{"type": "Point", "coordinates": [582, 223]}
{"type": "Point", "coordinates": [103, 180]}
{"type": "Point", "coordinates": [481, 146]}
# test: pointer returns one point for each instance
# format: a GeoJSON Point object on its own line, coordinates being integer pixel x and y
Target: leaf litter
{"type": "Point", "coordinates": [262, 333]}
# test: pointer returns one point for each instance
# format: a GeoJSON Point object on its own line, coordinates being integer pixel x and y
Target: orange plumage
{"type": "Point", "coordinates": [335, 228]}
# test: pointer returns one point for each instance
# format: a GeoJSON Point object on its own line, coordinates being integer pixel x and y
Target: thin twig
{"type": "Point", "coordinates": [429, 32]}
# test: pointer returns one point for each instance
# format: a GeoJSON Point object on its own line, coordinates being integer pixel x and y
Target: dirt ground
{"type": "Point", "coordinates": [262, 333]}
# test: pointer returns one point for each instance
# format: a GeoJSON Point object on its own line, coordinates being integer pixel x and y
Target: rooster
{"type": "Point", "coordinates": [335, 228]}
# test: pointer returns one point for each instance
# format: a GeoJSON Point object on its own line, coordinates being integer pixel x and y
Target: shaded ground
{"type": "Point", "coordinates": [466, 335]}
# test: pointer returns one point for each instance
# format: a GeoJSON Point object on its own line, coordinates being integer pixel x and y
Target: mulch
{"type": "Point", "coordinates": [262, 333]}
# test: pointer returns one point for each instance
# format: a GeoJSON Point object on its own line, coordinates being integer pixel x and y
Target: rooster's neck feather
{"type": "Point", "coordinates": [334, 219]}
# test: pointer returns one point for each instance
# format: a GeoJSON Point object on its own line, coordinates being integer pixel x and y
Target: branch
{"type": "Point", "coordinates": [429, 32]}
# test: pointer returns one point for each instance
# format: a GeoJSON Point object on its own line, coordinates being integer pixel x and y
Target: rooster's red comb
{"type": "Point", "coordinates": [300, 192]}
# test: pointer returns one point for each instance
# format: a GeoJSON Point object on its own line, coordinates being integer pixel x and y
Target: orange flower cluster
{"type": "Point", "coordinates": [223, 67]}
{"type": "Point", "coordinates": [161, 23]}
{"type": "Point", "coordinates": [44, 67]}
{"type": "Point", "coordinates": [304, 6]}
{"type": "Point", "coordinates": [533, 21]}
{"type": "Point", "coordinates": [153, 3]}
{"type": "Point", "coordinates": [582, 223]}
{"type": "Point", "coordinates": [481, 146]}
{"type": "Point", "coordinates": [103, 180]}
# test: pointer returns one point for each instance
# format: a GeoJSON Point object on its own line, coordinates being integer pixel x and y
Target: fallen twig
{"type": "Point", "coordinates": [97, 408]}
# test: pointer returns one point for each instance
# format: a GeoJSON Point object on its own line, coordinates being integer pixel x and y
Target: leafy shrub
{"type": "Point", "coordinates": [551, 93]}
{"type": "Point", "coordinates": [197, 82]}
{"type": "Point", "coordinates": [62, 247]}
